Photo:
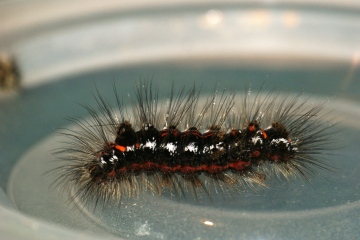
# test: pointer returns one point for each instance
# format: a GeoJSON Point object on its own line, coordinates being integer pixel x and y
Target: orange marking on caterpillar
{"type": "Point", "coordinates": [216, 168]}
{"type": "Point", "coordinates": [240, 165]}
{"type": "Point", "coordinates": [120, 148]}
{"type": "Point", "coordinates": [255, 154]}
{"type": "Point", "coordinates": [187, 169]}
{"type": "Point", "coordinates": [264, 134]}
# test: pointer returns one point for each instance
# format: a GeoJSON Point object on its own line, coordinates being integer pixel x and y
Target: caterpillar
{"type": "Point", "coordinates": [225, 143]}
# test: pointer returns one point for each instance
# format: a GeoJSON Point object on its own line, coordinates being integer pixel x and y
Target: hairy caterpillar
{"type": "Point", "coordinates": [224, 143]}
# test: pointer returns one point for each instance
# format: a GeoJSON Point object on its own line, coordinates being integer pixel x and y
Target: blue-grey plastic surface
{"type": "Point", "coordinates": [309, 49]}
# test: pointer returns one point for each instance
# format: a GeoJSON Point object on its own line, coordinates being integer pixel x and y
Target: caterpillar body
{"type": "Point", "coordinates": [224, 143]}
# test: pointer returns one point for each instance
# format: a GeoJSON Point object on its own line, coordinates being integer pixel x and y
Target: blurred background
{"type": "Point", "coordinates": [54, 53]}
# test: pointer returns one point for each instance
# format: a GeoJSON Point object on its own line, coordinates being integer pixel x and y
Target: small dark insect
{"type": "Point", "coordinates": [9, 73]}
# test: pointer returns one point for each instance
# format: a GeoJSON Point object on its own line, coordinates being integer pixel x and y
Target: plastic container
{"type": "Point", "coordinates": [63, 50]}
